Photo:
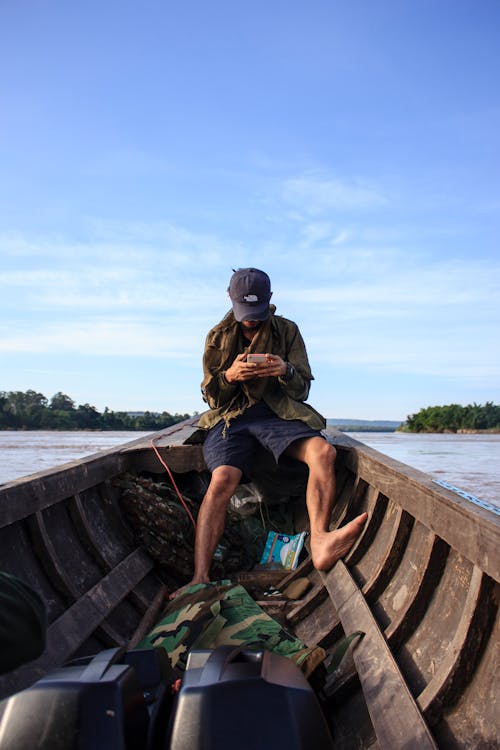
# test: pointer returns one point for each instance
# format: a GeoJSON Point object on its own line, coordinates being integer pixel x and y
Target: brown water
{"type": "Point", "coordinates": [23, 453]}
{"type": "Point", "coordinates": [469, 462]}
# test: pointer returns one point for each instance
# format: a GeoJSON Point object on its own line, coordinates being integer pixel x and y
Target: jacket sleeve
{"type": "Point", "coordinates": [300, 383]}
{"type": "Point", "coordinates": [215, 389]}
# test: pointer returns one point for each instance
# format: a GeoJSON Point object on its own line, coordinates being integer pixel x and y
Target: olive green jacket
{"type": "Point", "coordinates": [229, 400]}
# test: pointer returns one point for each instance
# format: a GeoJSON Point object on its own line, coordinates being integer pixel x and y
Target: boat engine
{"type": "Point", "coordinates": [133, 700]}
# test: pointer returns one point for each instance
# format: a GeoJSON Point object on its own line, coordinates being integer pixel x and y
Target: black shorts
{"type": "Point", "coordinates": [258, 425]}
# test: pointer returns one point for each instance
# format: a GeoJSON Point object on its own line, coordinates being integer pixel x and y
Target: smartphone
{"type": "Point", "coordinates": [258, 359]}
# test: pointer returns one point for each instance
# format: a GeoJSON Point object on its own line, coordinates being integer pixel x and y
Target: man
{"type": "Point", "coordinates": [254, 402]}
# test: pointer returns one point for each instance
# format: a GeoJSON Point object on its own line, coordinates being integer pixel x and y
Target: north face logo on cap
{"type": "Point", "coordinates": [251, 298]}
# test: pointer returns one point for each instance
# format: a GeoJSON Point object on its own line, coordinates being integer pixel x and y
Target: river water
{"type": "Point", "coordinates": [25, 452]}
{"type": "Point", "coordinates": [469, 462]}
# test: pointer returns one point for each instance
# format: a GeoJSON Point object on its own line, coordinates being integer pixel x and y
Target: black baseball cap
{"type": "Point", "coordinates": [250, 292]}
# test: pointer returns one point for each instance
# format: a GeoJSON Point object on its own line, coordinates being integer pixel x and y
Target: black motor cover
{"type": "Point", "coordinates": [250, 700]}
{"type": "Point", "coordinates": [118, 700]}
{"type": "Point", "coordinates": [89, 704]}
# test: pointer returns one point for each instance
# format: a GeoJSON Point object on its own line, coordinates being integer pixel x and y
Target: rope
{"type": "Point", "coordinates": [163, 463]}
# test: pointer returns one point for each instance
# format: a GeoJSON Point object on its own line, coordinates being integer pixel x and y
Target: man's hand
{"type": "Point", "coordinates": [273, 367]}
{"type": "Point", "coordinates": [241, 370]}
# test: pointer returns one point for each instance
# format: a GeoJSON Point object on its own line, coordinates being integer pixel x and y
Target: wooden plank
{"type": "Point", "coordinates": [375, 505]}
{"type": "Point", "coordinates": [259, 578]}
{"type": "Point", "coordinates": [462, 653]}
{"type": "Point", "coordinates": [473, 531]}
{"type": "Point", "coordinates": [396, 718]}
{"type": "Point", "coordinates": [69, 631]}
{"type": "Point", "coordinates": [429, 568]}
{"type": "Point", "coordinates": [347, 484]}
{"type": "Point", "coordinates": [59, 574]}
{"type": "Point", "coordinates": [87, 536]}
{"type": "Point", "coordinates": [424, 571]}
{"type": "Point", "coordinates": [179, 459]}
{"type": "Point", "coordinates": [275, 608]}
{"type": "Point", "coordinates": [316, 594]}
{"type": "Point", "coordinates": [55, 572]}
{"type": "Point", "coordinates": [85, 532]}
{"type": "Point", "coordinates": [176, 435]}
{"type": "Point", "coordinates": [150, 617]}
{"type": "Point", "coordinates": [22, 498]}
{"type": "Point", "coordinates": [389, 559]}
{"type": "Point", "coordinates": [321, 627]}
{"type": "Point", "coordinates": [352, 499]}
{"type": "Point", "coordinates": [302, 571]}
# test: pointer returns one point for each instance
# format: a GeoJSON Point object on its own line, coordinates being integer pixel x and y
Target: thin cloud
{"type": "Point", "coordinates": [430, 346]}
{"type": "Point", "coordinates": [360, 299]}
{"type": "Point", "coordinates": [109, 338]}
{"type": "Point", "coordinates": [314, 194]}
{"type": "Point", "coordinates": [161, 267]}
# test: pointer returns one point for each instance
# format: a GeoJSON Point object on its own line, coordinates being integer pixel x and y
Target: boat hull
{"type": "Point", "coordinates": [421, 584]}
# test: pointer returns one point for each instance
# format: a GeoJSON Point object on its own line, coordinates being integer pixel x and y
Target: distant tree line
{"type": "Point", "coordinates": [29, 410]}
{"type": "Point", "coordinates": [455, 418]}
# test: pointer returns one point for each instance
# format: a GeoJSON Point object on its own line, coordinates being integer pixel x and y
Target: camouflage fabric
{"type": "Point", "coordinates": [205, 616]}
{"type": "Point", "coordinates": [161, 525]}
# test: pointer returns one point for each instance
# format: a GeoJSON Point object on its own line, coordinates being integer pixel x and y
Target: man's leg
{"type": "Point", "coordinates": [326, 546]}
{"type": "Point", "coordinates": [211, 519]}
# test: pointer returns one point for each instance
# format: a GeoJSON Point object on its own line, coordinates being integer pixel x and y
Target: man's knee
{"type": "Point", "coordinates": [224, 481]}
{"type": "Point", "coordinates": [321, 454]}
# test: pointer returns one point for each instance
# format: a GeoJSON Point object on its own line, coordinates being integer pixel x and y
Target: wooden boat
{"type": "Point", "coordinates": [421, 583]}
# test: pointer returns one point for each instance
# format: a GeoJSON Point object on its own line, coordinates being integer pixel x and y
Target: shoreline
{"type": "Point", "coordinates": [461, 431]}
{"type": "Point", "coordinates": [74, 429]}
{"type": "Point", "coordinates": [342, 428]}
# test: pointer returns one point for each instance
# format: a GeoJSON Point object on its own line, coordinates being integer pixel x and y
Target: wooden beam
{"type": "Point", "coordinates": [428, 569]}
{"type": "Point", "coordinates": [150, 618]}
{"type": "Point", "coordinates": [176, 435]}
{"type": "Point", "coordinates": [23, 497]}
{"type": "Point", "coordinates": [472, 531]}
{"type": "Point", "coordinates": [179, 459]}
{"type": "Point", "coordinates": [375, 505]}
{"type": "Point", "coordinates": [72, 629]}
{"type": "Point", "coordinates": [394, 713]}
{"type": "Point", "coordinates": [388, 559]}
{"type": "Point", "coordinates": [462, 653]}
{"type": "Point", "coordinates": [424, 572]}
{"type": "Point", "coordinates": [316, 594]}
{"type": "Point", "coordinates": [98, 552]}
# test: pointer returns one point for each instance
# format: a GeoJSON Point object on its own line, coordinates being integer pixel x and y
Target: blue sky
{"type": "Point", "coordinates": [350, 149]}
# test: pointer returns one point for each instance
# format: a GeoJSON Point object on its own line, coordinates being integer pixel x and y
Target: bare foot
{"type": "Point", "coordinates": [182, 589]}
{"type": "Point", "coordinates": [329, 546]}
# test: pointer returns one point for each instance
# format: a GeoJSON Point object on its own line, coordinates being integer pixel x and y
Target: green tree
{"type": "Point", "coordinates": [31, 410]}
{"type": "Point", "coordinates": [25, 408]}
{"type": "Point", "coordinates": [61, 402]}
{"type": "Point", "coordinates": [88, 418]}
{"type": "Point", "coordinates": [453, 417]}
{"type": "Point", "coordinates": [4, 411]}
